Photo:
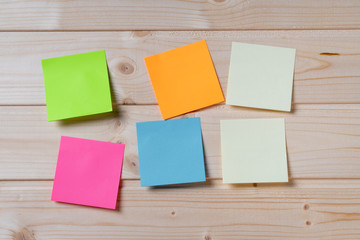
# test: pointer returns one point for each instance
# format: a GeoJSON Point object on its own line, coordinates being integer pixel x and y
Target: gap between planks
{"type": "Point", "coordinates": [182, 30]}
{"type": "Point", "coordinates": [207, 180]}
{"type": "Point", "coordinates": [152, 104]}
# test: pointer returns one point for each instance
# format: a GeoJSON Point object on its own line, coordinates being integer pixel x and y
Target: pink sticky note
{"type": "Point", "coordinates": [88, 172]}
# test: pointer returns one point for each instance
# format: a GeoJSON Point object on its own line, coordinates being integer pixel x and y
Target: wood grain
{"type": "Point", "coordinates": [179, 15]}
{"type": "Point", "coordinates": [320, 202]}
{"type": "Point", "coordinates": [323, 141]}
{"type": "Point", "coordinates": [326, 61]}
{"type": "Point", "coordinates": [301, 209]}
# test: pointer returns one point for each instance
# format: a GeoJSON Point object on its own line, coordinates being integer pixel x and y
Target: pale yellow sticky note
{"type": "Point", "coordinates": [261, 76]}
{"type": "Point", "coordinates": [253, 150]}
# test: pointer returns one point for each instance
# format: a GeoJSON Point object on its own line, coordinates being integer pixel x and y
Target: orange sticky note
{"type": "Point", "coordinates": [184, 79]}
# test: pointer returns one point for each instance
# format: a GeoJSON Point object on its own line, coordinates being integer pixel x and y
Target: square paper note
{"type": "Point", "coordinates": [184, 79]}
{"type": "Point", "coordinates": [76, 85]}
{"type": "Point", "coordinates": [88, 172]}
{"type": "Point", "coordinates": [261, 76]}
{"type": "Point", "coordinates": [170, 152]}
{"type": "Point", "coordinates": [253, 150]}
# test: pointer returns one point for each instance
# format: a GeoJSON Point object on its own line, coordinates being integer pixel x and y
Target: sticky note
{"type": "Point", "coordinates": [261, 76]}
{"type": "Point", "coordinates": [184, 79]}
{"type": "Point", "coordinates": [76, 85]}
{"type": "Point", "coordinates": [253, 150]}
{"type": "Point", "coordinates": [88, 172]}
{"type": "Point", "coordinates": [170, 152]}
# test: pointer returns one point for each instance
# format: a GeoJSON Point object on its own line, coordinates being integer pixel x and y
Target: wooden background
{"type": "Point", "coordinates": [322, 199]}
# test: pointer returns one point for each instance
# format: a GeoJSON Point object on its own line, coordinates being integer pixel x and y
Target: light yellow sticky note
{"type": "Point", "coordinates": [261, 76]}
{"type": "Point", "coordinates": [253, 150]}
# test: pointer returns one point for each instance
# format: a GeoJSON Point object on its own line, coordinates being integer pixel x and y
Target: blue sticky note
{"type": "Point", "coordinates": [170, 152]}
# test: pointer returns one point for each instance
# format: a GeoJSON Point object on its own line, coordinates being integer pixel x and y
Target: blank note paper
{"type": "Point", "coordinates": [88, 172]}
{"type": "Point", "coordinates": [253, 150]}
{"type": "Point", "coordinates": [76, 85]}
{"type": "Point", "coordinates": [170, 152]}
{"type": "Point", "coordinates": [261, 76]}
{"type": "Point", "coordinates": [184, 79]}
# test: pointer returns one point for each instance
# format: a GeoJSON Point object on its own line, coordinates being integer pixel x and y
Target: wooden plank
{"type": "Point", "coordinates": [301, 209]}
{"type": "Point", "coordinates": [180, 15]}
{"type": "Point", "coordinates": [326, 63]}
{"type": "Point", "coordinates": [323, 141]}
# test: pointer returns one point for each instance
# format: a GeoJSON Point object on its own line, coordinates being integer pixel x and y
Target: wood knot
{"type": "Point", "coordinates": [330, 54]}
{"type": "Point", "coordinates": [126, 68]}
{"type": "Point", "coordinates": [306, 207]}
{"type": "Point", "coordinates": [24, 234]}
{"type": "Point", "coordinates": [141, 33]}
{"type": "Point", "coordinates": [131, 164]}
{"type": "Point", "coordinates": [128, 101]}
{"type": "Point", "coordinates": [207, 237]}
{"type": "Point", "coordinates": [173, 213]}
{"type": "Point", "coordinates": [308, 223]}
{"type": "Point", "coordinates": [117, 123]}
{"type": "Point", "coordinates": [255, 184]}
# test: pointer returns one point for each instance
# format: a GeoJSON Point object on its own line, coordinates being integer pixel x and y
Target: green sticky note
{"type": "Point", "coordinates": [253, 150]}
{"type": "Point", "coordinates": [261, 76]}
{"type": "Point", "coordinates": [76, 85]}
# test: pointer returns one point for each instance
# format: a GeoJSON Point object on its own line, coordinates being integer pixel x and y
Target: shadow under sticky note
{"type": "Point", "coordinates": [184, 79]}
{"type": "Point", "coordinates": [261, 76]}
{"type": "Point", "coordinates": [253, 151]}
{"type": "Point", "coordinates": [88, 172]}
{"type": "Point", "coordinates": [170, 152]}
{"type": "Point", "coordinates": [76, 85]}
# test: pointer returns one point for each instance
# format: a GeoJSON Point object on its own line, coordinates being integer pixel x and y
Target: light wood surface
{"type": "Point", "coordinates": [321, 200]}
{"type": "Point", "coordinates": [304, 209]}
{"type": "Point", "coordinates": [179, 14]}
